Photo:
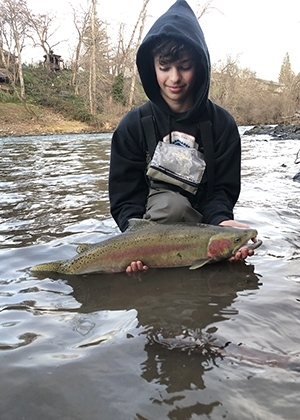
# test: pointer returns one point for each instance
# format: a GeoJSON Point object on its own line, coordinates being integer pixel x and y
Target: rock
{"type": "Point", "coordinates": [259, 129]}
{"type": "Point", "coordinates": [297, 177]}
{"type": "Point", "coordinates": [278, 132]}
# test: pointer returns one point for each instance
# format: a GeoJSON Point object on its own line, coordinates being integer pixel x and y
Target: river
{"type": "Point", "coordinates": [221, 342]}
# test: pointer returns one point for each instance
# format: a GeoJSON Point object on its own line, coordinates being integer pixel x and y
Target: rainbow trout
{"type": "Point", "coordinates": [157, 245]}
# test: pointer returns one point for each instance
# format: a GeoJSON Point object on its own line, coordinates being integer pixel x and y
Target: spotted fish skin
{"type": "Point", "coordinates": [157, 245]}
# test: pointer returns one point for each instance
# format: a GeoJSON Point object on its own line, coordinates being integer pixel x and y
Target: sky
{"type": "Point", "coordinates": [258, 33]}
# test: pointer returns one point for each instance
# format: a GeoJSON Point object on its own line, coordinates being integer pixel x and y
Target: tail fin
{"type": "Point", "coordinates": [50, 266]}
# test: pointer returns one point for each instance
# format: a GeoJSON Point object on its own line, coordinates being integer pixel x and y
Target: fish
{"type": "Point", "coordinates": [157, 245]}
{"type": "Point", "coordinates": [190, 341]}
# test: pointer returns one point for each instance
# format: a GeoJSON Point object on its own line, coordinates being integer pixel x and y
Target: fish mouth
{"type": "Point", "coordinates": [253, 245]}
{"type": "Point", "coordinates": [253, 234]}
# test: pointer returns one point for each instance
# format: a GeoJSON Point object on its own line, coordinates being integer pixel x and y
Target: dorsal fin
{"type": "Point", "coordinates": [82, 247]}
{"type": "Point", "coordinates": [137, 224]}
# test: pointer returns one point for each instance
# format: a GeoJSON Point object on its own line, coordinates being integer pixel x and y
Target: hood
{"type": "Point", "coordinates": [179, 22]}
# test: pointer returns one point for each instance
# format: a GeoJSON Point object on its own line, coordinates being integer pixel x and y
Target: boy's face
{"type": "Point", "coordinates": [176, 81]}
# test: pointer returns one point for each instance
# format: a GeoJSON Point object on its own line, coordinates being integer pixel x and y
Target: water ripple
{"type": "Point", "coordinates": [59, 332]}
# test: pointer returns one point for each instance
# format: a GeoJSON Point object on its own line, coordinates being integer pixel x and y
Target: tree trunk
{"type": "Point", "coordinates": [13, 31]}
{"type": "Point", "coordinates": [80, 28]}
{"type": "Point", "coordinates": [92, 80]}
{"type": "Point", "coordinates": [142, 18]}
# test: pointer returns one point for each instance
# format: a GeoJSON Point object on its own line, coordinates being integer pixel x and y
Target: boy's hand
{"type": "Point", "coordinates": [135, 267]}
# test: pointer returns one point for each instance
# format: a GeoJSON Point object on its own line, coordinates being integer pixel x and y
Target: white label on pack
{"type": "Point", "coordinates": [181, 139]}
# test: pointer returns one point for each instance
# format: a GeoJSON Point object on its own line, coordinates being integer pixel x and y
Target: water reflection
{"type": "Point", "coordinates": [107, 332]}
{"type": "Point", "coordinates": [167, 297]}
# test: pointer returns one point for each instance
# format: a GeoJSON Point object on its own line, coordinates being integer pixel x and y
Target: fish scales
{"type": "Point", "coordinates": [114, 256]}
{"type": "Point", "coordinates": [157, 245]}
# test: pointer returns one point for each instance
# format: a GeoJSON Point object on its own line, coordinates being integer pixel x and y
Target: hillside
{"type": "Point", "coordinates": [15, 121]}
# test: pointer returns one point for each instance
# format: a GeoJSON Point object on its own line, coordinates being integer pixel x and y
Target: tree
{"type": "Point", "coordinates": [141, 20]}
{"type": "Point", "coordinates": [81, 24]}
{"type": "Point", "coordinates": [124, 58]}
{"type": "Point", "coordinates": [14, 30]}
{"type": "Point", "coordinates": [93, 82]}
{"type": "Point", "coordinates": [117, 88]}
{"type": "Point", "coordinates": [286, 75]}
{"type": "Point", "coordinates": [250, 100]}
{"type": "Point", "coordinates": [95, 60]}
{"type": "Point", "coordinates": [130, 44]}
{"type": "Point", "coordinates": [42, 32]}
{"type": "Point", "coordinates": [290, 88]}
{"type": "Point", "coordinates": [92, 79]}
{"type": "Point", "coordinates": [204, 9]}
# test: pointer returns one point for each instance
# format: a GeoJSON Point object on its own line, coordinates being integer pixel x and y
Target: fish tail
{"type": "Point", "coordinates": [50, 266]}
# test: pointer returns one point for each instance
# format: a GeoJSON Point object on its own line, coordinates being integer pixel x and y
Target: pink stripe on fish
{"type": "Point", "coordinates": [218, 247]}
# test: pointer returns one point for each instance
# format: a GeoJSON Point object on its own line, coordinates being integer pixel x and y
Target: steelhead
{"type": "Point", "coordinates": [157, 245]}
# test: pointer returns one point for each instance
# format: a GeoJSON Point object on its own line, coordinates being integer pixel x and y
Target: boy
{"type": "Point", "coordinates": [194, 173]}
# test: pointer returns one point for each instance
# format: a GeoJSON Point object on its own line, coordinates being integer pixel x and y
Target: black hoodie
{"type": "Point", "coordinates": [128, 183]}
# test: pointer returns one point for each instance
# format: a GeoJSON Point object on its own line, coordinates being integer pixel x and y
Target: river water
{"type": "Point", "coordinates": [221, 342]}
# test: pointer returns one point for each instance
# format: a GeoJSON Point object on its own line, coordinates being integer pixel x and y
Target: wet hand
{"type": "Point", "coordinates": [234, 223]}
{"type": "Point", "coordinates": [136, 267]}
{"type": "Point", "coordinates": [244, 252]}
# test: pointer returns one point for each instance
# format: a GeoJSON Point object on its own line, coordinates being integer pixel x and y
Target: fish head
{"type": "Point", "coordinates": [226, 243]}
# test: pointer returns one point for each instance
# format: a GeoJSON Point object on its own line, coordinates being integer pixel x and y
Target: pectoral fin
{"type": "Point", "coordinates": [200, 263]}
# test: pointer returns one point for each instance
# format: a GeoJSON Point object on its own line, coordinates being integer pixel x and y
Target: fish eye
{"type": "Point", "coordinates": [237, 239]}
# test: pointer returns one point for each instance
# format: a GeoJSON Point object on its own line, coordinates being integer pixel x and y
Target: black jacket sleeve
{"type": "Point", "coordinates": [128, 186]}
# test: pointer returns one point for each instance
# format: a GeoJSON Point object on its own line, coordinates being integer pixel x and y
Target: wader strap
{"type": "Point", "coordinates": [148, 123]}
{"type": "Point", "coordinates": [208, 146]}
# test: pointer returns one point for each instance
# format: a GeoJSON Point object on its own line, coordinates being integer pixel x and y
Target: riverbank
{"type": "Point", "coordinates": [15, 122]}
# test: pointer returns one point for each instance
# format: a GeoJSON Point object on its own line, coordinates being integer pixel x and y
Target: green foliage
{"type": "Point", "coordinates": [68, 105]}
{"type": "Point", "coordinates": [118, 89]}
{"type": "Point", "coordinates": [54, 90]}
{"type": "Point", "coordinates": [6, 97]}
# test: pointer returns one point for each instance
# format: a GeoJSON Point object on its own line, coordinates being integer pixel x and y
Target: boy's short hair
{"type": "Point", "coordinates": [170, 50]}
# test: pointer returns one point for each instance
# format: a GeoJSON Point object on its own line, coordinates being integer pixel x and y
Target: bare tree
{"type": "Point", "coordinates": [205, 9]}
{"type": "Point", "coordinates": [124, 60]}
{"type": "Point", "coordinates": [43, 29]}
{"type": "Point", "coordinates": [81, 24]}
{"type": "Point", "coordinates": [92, 80]}
{"type": "Point", "coordinates": [249, 99]}
{"type": "Point", "coordinates": [13, 33]}
{"type": "Point", "coordinates": [141, 20]}
{"type": "Point", "coordinates": [119, 51]}
{"type": "Point", "coordinates": [128, 49]}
